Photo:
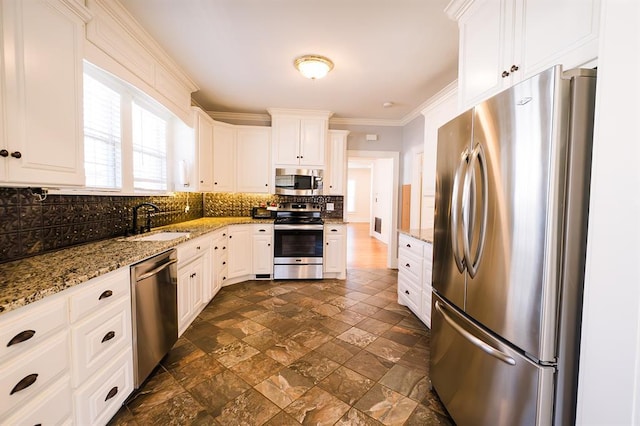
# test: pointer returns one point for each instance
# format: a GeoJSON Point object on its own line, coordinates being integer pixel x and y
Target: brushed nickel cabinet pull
{"type": "Point", "coordinates": [110, 335]}
{"type": "Point", "coordinates": [105, 294]}
{"type": "Point", "coordinates": [23, 336]}
{"type": "Point", "coordinates": [24, 383]}
{"type": "Point", "coordinates": [112, 393]}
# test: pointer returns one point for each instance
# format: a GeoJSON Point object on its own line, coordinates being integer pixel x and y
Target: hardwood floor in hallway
{"type": "Point", "coordinates": [364, 251]}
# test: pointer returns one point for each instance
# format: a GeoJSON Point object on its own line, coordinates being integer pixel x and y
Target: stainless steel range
{"type": "Point", "coordinates": [298, 248]}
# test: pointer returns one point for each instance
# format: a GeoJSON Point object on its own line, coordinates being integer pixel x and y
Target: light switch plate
{"type": "Point", "coordinates": [330, 207]}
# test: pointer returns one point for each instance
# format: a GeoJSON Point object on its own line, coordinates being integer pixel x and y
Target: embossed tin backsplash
{"type": "Point", "coordinates": [29, 227]}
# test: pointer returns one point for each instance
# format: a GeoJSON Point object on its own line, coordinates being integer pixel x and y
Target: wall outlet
{"type": "Point", "coordinates": [330, 207]}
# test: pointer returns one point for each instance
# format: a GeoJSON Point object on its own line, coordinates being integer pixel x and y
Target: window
{"type": "Point", "coordinates": [102, 138]}
{"type": "Point", "coordinates": [149, 150]}
{"type": "Point", "coordinates": [125, 136]}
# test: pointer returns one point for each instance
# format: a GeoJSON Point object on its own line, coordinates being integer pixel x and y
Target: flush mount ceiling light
{"type": "Point", "coordinates": [313, 66]}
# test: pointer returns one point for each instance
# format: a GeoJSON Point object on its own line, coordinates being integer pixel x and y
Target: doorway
{"type": "Point", "coordinates": [372, 203]}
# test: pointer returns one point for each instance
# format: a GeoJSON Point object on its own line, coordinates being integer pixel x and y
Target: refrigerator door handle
{"type": "Point", "coordinates": [477, 157]}
{"type": "Point", "coordinates": [464, 158]}
{"type": "Point", "coordinates": [496, 353]}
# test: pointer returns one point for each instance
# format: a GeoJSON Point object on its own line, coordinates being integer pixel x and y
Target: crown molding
{"type": "Point", "coordinates": [456, 8]}
{"type": "Point", "coordinates": [122, 16]}
{"type": "Point", "coordinates": [241, 116]}
{"type": "Point", "coordinates": [300, 112]}
{"type": "Point", "coordinates": [423, 108]}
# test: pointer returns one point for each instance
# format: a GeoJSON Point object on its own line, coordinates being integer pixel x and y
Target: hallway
{"type": "Point", "coordinates": [364, 251]}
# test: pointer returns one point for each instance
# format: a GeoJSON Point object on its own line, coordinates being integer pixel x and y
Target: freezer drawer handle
{"type": "Point", "coordinates": [473, 339]}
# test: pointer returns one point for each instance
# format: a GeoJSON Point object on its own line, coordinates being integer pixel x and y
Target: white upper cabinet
{"type": "Point", "coordinates": [253, 154]}
{"type": "Point", "coordinates": [334, 178]}
{"type": "Point", "coordinates": [204, 147]}
{"type": "Point", "coordinates": [505, 41]}
{"type": "Point", "coordinates": [42, 52]}
{"type": "Point", "coordinates": [224, 157]}
{"type": "Point", "coordinates": [299, 137]}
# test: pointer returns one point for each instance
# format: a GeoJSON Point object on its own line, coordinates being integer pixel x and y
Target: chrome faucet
{"type": "Point", "coordinates": [146, 228]}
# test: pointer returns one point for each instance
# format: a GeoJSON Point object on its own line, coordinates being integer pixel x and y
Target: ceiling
{"type": "Point", "coordinates": [241, 52]}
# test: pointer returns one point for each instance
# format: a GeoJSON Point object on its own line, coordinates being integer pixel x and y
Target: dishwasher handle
{"type": "Point", "coordinates": [155, 270]}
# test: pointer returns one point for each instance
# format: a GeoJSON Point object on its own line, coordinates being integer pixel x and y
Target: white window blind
{"type": "Point", "coordinates": [149, 135]}
{"type": "Point", "coordinates": [102, 135]}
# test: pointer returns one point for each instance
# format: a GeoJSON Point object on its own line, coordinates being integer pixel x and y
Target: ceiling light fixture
{"type": "Point", "coordinates": [313, 66]}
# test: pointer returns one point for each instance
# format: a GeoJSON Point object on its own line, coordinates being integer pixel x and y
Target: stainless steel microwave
{"type": "Point", "coordinates": [299, 181]}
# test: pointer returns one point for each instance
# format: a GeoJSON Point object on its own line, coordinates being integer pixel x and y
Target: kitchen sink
{"type": "Point", "coordinates": [161, 236]}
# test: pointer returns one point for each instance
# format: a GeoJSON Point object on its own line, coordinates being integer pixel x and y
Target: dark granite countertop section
{"type": "Point", "coordinates": [425, 234]}
{"type": "Point", "coordinates": [28, 280]}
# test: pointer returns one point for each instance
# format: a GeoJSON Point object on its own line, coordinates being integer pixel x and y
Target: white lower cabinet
{"type": "Point", "coordinates": [335, 251]}
{"type": "Point", "coordinates": [414, 276]}
{"type": "Point", "coordinates": [262, 246]}
{"type": "Point", "coordinates": [97, 400]}
{"type": "Point", "coordinates": [219, 259]}
{"type": "Point", "coordinates": [193, 273]}
{"type": "Point", "coordinates": [53, 406]}
{"type": "Point", "coordinates": [240, 250]}
{"type": "Point", "coordinates": [101, 347]}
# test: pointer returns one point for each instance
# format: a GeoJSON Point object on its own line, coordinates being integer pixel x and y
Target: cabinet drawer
{"type": "Point", "coordinates": [411, 245]}
{"type": "Point", "coordinates": [53, 407]}
{"type": "Point", "coordinates": [334, 229]}
{"type": "Point", "coordinates": [99, 293]}
{"type": "Point", "coordinates": [411, 267]}
{"type": "Point", "coordinates": [263, 229]}
{"type": "Point", "coordinates": [31, 325]}
{"type": "Point", "coordinates": [101, 397]}
{"type": "Point", "coordinates": [410, 295]}
{"type": "Point", "coordinates": [96, 340]}
{"type": "Point", "coordinates": [191, 249]}
{"type": "Point", "coordinates": [24, 378]}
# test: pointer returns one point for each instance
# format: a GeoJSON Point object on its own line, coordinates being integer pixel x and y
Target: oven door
{"type": "Point", "coordinates": [297, 244]}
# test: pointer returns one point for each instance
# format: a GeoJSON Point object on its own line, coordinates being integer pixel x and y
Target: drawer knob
{"type": "Point", "coordinates": [334, 230]}
{"type": "Point", "coordinates": [23, 336]}
{"type": "Point", "coordinates": [224, 263]}
{"type": "Point", "coordinates": [505, 74]}
{"type": "Point", "coordinates": [112, 393]}
{"type": "Point", "coordinates": [110, 335]}
{"type": "Point", "coordinates": [24, 383]}
{"type": "Point", "coordinates": [406, 291]}
{"type": "Point", "coordinates": [198, 248]}
{"type": "Point", "coordinates": [268, 245]}
{"type": "Point", "coordinates": [262, 230]}
{"type": "Point", "coordinates": [408, 245]}
{"type": "Point", "coordinates": [105, 294]}
{"type": "Point", "coordinates": [215, 248]}
{"type": "Point", "coordinates": [4, 153]}
{"type": "Point", "coordinates": [514, 68]}
{"type": "Point", "coordinates": [407, 265]}
{"type": "Point", "coordinates": [16, 154]}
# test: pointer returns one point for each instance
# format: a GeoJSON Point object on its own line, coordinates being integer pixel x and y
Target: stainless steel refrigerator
{"type": "Point", "coordinates": [512, 190]}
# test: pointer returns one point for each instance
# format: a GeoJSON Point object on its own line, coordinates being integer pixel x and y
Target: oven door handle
{"type": "Point", "coordinates": [298, 227]}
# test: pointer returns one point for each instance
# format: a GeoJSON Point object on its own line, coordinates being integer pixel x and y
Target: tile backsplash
{"type": "Point", "coordinates": [29, 227]}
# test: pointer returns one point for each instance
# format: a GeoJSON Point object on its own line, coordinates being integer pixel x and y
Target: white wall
{"type": "Point", "coordinates": [382, 200]}
{"type": "Point", "coordinates": [362, 196]}
{"type": "Point", "coordinates": [609, 380]}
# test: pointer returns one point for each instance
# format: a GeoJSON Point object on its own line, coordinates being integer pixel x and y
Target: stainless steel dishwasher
{"type": "Point", "coordinates": [154, 311]}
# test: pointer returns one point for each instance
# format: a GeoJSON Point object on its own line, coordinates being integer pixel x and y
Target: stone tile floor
{"type": "Point", "coordinates": [282, 353]}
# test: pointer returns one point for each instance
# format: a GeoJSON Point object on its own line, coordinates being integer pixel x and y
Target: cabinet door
{"type": "Point", "coordinates": [312, 141]}
{"type": "Point", "coordinates": [566, 34]}
{"type": "Point", "coordinates": [184, 299]}
{"type": "Point", "coordinates": [286, 139]}
{"type": "Point", "coordinates": [253, 150]}
{"type": "Point", "coordinates": [263, 254]}
{"type": "Point", "coordinates": [42, 42]}
{"type": "Point", "coordinates": [240, 252]}
{"type": "Point", "coordinates": [484, 30]}
{"type": "Point", "coordinates": [204, 144]}
{"type": "Point", "coordinates": [336, 166]}
{"type": "Point", "coordinates": [223, 158]}
{"type": "Point", "coordinates": [335, 249]}
{"type": "Point", "coordinates": [196, 291]}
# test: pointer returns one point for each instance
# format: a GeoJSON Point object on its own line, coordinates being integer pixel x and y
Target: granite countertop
{"type": "Point", "coordinates": [424, 234]}
{"type": "Point", "coordinates": [28, 280]}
